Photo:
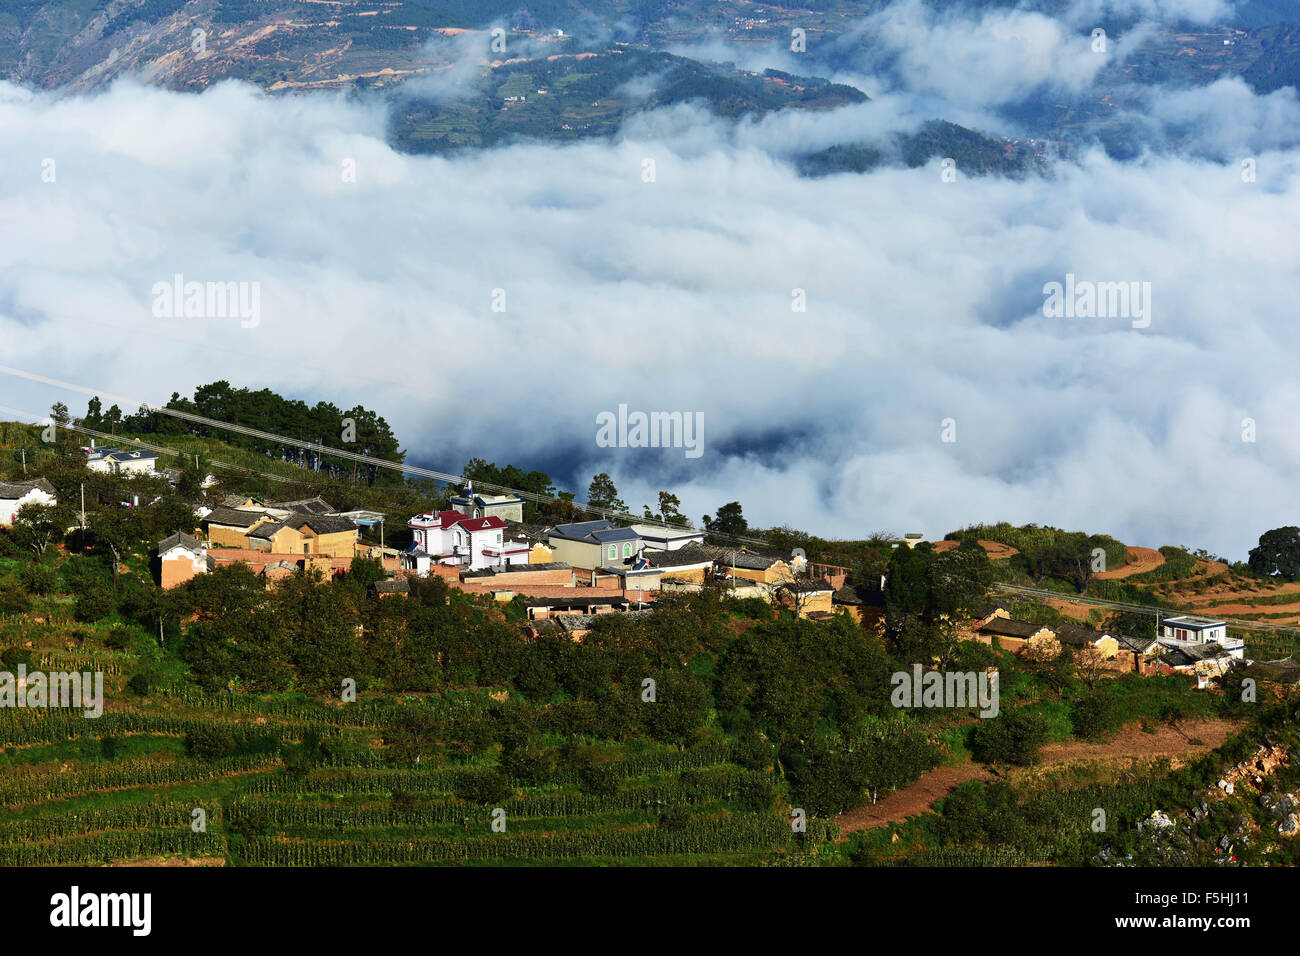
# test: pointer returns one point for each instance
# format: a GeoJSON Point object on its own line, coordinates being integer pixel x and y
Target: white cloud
{"type": "Point", "coordinates": [924, 303]}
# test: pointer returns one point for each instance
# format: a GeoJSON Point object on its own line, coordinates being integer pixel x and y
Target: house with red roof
{"type": "Point", "coordinates": [451, 537]}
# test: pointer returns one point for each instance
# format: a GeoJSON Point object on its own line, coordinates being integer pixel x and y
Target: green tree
{"type": "Point", "coordinates": [669, 511]}
{"type": "Point", "coordinates": [94, 413]}
{"type": "Point", "coordinates": [602, 494]}
{"type": "Point", "coordinates": [118, 532]}
{"type": "Point", "coordinates": [730, 520]}
{"type": "Point", "coordinates": [37, 527]}
{"type": "Point", "coordinates": [1013, 737]}
{"type": "Point", "coordinates": [1277, 554]}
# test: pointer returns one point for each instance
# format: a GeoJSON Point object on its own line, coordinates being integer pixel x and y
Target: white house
{"type": "Point", "coordinates": [181, 557]}
{"type": "Point", "coordinates": [136, 461]}
{"type": "Point", "coordinates": [1188, 629]}
{"type": "Point", "coordinates": [451, 537]}
{"type": "Point", "coordinates": [13, 495]}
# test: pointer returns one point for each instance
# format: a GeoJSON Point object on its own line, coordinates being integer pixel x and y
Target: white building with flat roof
{"type": "Point", "coordinates": [1189, 629]}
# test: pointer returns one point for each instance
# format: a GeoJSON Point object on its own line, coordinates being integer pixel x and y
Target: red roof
{"type": "Point", "coordinates": [481, 524]}
{"type": "Point", "coordinates": [449, 518]}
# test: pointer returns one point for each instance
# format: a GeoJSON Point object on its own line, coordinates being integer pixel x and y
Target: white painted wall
{"type": "Point", "coordinates": [9, 506]}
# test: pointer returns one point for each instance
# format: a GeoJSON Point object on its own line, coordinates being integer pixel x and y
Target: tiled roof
{"type": "Point", "coordinates": [314, 506]}
{"type": "Point", "coordinates": [1076, 635]}
{"type": "Point", "coordinates": [180, 540]}
{"type": "Point", "coordinates": [748, 560]}
{"type": "Point", "coordinates": [685, 556]}
{"type": "Point", "coordinates": [1011, 628]}
{"type": "Point", "coordinates": [234, 518]}
{"type": "Point", "coordinates": [267, 530]}
{"type": "Point", "coordinates": [603, 535]}
{"type": "Point", "coordinates": [580, 530]}
{"type": "Point", "coordinates": [481, 524]}
{"type": "Point", "coordinates": [1139, 644]}
{"type": "Point", "coordinates": [16, 489]}
{"type": "Point", "coordinates": [808, 586]}
{"type": "Point", "coordinates": [321, 524]}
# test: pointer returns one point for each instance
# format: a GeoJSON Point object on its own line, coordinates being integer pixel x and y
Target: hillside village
{"type": "Point", "coordinates": [564, 575]}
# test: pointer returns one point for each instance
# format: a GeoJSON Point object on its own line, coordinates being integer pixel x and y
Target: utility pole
{"type": "Point", "coordinates": [24, 462]}
{"type": "Point", "coordinates": [83, 516]}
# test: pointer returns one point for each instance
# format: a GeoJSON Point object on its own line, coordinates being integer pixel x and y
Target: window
{"type": "Point", "coordinates": [613, 552]}
{"type": "Point", "coordinates": [627, 549]}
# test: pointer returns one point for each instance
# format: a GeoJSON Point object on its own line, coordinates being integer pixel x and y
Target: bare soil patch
{"type": "Point", "coordinates": [1133, 742]}
{"type": "Point", "coordinates": [1139, 560]}
{"type": "Point", "coordinates": [996, 549]}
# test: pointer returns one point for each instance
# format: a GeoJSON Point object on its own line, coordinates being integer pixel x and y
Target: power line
{"type": "Point", "coordinates": [357, 456]}
{"type": "Point", "coordinates": [157, 449]}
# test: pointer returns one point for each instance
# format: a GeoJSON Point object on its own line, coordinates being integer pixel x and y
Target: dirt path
{"type": "Point", "coordinates": [1139, 560]}
{"type": "Point", "coordinates": [1130, 744]}
{"type": "Point", "coordinates": [919, 797]}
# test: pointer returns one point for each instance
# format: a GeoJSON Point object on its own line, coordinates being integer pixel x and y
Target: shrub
{"type": "Point", "coordinates": [94, 604]}
{"type": "Point", "coordinates": [487, 786]}
{"type": "Point", "coordinates": [1013, 737]}
{"type": "Point", "coordinates": [14, 656]}
{"type": "Point", "coordinates": [139, 684]}
{"type": "Point", "coordinates": [1095, 717]}
{"type": "Point", "coordinates": [210, 742]}
{"type": "Point", "coordinates": [39, 579]}
{"type": "Point", "coordinates": [13, 601]}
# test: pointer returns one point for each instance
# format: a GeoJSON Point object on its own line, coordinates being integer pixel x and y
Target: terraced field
{"type": "Point", "coordinates": [657, 805]}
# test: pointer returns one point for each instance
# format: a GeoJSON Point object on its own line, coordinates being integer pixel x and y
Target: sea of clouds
{"type": "Point", "coordinates": [924, 297]}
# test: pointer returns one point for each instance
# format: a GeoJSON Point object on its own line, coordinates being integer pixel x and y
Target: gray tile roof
{"type": "Point", "coordinates": [808, 586]}
{"type": "Point", "coordinates": [690, 554]}
{"type": "Point", "coordinates": [321, 524]}
{"type": "Point", "coordinates": [182, 540]}
{"type": "Point", "coordinates": [1139, 644]}
{"type": "Point", "coordinates": [579, 530]}
{"type": "Point", "coordinates": [1011, 628]}
{"type": "Point", "coordinates": [614, 534]}
{"type": "Point", "coordinates": [1076, 635]}
{"type": "Point", "coordinates": [312, 506]}
{"type": "Point", "coordinates": [16, 489]}
{"type": "Point", "coordinates": [267, 530]}
{"type": "Point", "coordinates": [748, 560]}
{"type": "Point", "coordinates": [233, 518]}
